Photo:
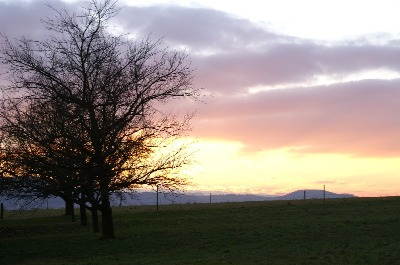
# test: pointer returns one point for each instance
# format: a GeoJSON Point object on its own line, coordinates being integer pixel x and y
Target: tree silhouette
{"type": "Point", "coordinates": [80, 114]}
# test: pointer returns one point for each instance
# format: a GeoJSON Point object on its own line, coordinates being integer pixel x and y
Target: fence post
{"type": "Point", "coordinates": [157, 198]}
{"type": "Point", "coordinates": [2, 211]}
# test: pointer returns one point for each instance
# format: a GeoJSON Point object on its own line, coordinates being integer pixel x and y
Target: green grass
{"type": "Point", "coordinates": [342, 231]}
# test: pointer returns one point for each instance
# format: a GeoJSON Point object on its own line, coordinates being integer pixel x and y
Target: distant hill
{"type": "Point", "coordinates": [150, 198]}
{"type": "Point", "coordinates": [312, 194]}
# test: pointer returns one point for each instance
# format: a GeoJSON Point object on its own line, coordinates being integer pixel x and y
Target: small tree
{"type": "Point", "coordinates": [108, 134]}
{"type": "Point", "coordinates": [42, 146]}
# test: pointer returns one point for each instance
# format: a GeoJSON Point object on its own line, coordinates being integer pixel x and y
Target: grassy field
{"type": "Point", "coordinates": [340, 231]}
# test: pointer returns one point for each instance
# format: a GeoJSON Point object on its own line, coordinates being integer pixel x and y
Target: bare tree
{"type": "Point", "coordinates": [102, 91]}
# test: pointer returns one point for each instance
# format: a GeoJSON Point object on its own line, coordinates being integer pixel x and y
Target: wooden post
{"type": "Point", "coordinates": [304, 194]}
{"type": "Point", "coordinates": [210, 198]}
{"type": "Point", "coordinates": [2, 211]}
{"type": "Point", "coordinates": [157, 198]}
{"type": "Point", "coordinates": [324, 193]}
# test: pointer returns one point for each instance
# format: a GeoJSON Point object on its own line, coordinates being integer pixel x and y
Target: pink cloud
{"type": "Point", "coordinates": [358, 118]}
{"type": "Point", "coordinates": [291, 63]}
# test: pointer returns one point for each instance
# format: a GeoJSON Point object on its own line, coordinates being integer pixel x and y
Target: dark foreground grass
{"type": "Point", "coordinates": [343, 231]}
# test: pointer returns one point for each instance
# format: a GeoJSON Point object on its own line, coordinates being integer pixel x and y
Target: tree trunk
{"type": "Point", "coordinates": [69, 208]}
{"type": "Point", "coordinates": [82, 210]}
{"type": "Point", "coordinates": [107, 223]}
{"type": "Point", "coordinates": [73, 214]}
{"type": "Point", "coordinates": [95, 220]}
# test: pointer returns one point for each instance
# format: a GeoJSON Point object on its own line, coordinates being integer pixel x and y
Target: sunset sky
{"type": "Point", "coordinates": [304, 93]}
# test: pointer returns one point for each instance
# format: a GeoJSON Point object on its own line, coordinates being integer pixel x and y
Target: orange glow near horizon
{"type": "Point", "coordinates": [227, 167]}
